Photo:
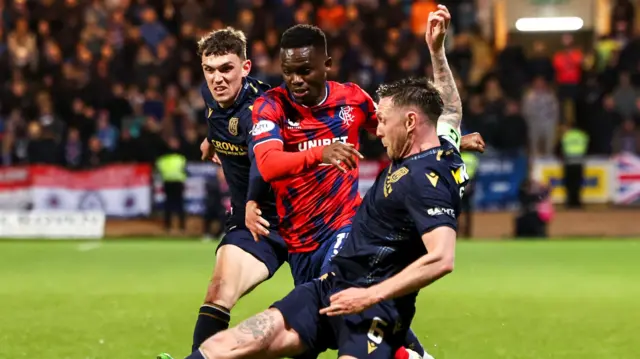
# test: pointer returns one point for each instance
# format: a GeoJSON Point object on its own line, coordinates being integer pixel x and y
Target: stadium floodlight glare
{"type": "Point", "coordinates": [541, 24]}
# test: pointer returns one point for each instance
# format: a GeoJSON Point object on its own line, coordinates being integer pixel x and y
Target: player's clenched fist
{"type": "Point", "coordinates": [472, 142]}
{"type": "Point", "coordinates": [339, 153]}
{"type": "Point", "coordinates": [437, 28]}
{"type": "Point", "coordinates": [208, 152]}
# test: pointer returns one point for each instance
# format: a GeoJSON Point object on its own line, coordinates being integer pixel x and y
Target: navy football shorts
{"type": "Point", "coordinates": [270, 250]}
{"type": "Point", "coordinates": [307, 266]}
{"type": "Point", "coordinates": [376, 333]}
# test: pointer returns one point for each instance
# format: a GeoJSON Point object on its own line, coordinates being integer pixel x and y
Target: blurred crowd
{"type": "Point", "coordinates": [91, 82]}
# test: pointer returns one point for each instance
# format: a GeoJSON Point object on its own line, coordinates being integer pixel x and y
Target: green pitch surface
{"type": "Point", "coordinates": [132, 300]}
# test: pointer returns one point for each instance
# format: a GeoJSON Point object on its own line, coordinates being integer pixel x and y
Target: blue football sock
{"type": "Point", "coordinates": [412, 342]}
{"type": "Point", "coordinates": [211, 320]}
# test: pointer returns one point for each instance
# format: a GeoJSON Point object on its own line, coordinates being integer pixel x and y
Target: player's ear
{"type": "Point", "coordinates": [328, 63]}
{"type": "Point", "coordinates": [411, 120]}
{"type": "Point", "coordinates": [246, 68]}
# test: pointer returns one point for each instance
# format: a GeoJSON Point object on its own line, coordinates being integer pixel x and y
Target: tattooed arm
{"type": "Point", "coordinates": [443, 78]}
{"type": "Point", "coordinates": [452, 113]}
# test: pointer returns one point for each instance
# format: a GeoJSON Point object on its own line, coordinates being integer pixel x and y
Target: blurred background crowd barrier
{"type": "Point", "coordinates": [94, 91]}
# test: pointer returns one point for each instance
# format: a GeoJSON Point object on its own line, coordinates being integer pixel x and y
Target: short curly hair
{"type": "Point", "coordinates": [223, 42]}
{"type": "Point", "coordinates": [303, 36]}
{"type": "Point", "coordinates": [414, 91]}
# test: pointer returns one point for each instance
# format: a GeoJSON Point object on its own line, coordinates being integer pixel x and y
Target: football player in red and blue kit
{"type": "Point", "coordinates": [304, 133]}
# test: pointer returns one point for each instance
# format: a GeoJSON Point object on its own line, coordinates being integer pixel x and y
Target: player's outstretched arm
{"type": "Point", "coordinates": [443, 77]}
{"type": "Point", "coordinates": [424, 271]}
{"type": "Point", "coordinates": [441, 245]}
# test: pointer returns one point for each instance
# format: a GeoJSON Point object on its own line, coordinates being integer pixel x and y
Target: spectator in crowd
{"type": "Point", "coordinates": [41, 147]}
{"type": "Point", "coordinates": [73, 150]}
{"type": "Point", "coordinates": [172, 168]}
{"type": "Point", "coordinates": [539, 63]}
{"type": "Point", "coordinates": [536, 210]}
{"type": "Point", "coordinates": [567, 63]}
{"type": "Point", "coordinates": [22, 46]}
{"type": "Point", "coordinates": [625, 96]}
{"type": "Point", "coordinates": [512, 135]}
{"type": "Point", "coordinates": [96, 155]}
{"type": "Point", "coordinates": [627, 138]}
{"type": "Point", "coordinates": [541, 112]}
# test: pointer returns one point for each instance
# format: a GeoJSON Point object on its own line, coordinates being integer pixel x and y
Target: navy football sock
{"type": "Point", "coordinates": [211, 320]}
{"type": "Point", "coordinates": [197, 354]}
{"type": "Point", "coordinates": [412, 342]}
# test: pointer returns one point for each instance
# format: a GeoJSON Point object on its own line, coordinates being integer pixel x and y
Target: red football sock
{"type": "Point", "coordinates": [401, 353]}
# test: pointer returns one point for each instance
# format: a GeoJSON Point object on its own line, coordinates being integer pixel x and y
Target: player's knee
{"type": "Point", "coordinates": [222, 293]}
{"type": "Point", "coordinates": [219, 346]}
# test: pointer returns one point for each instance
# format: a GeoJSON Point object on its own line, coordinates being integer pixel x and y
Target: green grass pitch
{"type": "Point", "coordinates": [134, 299]}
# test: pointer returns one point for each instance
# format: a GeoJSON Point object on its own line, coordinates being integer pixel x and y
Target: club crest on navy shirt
{"type": "Point", "coordinates": [393, 178]}
{"type": "Point", "coordinates": [233, 126]}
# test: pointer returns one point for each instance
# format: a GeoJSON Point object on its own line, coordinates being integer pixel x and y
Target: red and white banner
{"type": "Point", "coordinates": [116, 190]}
{"type": "Point", "coordinates": [15, 188]}
{"type": "Point", "coordinates": [369, 170]}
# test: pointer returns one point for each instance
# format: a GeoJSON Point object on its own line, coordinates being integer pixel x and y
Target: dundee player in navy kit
{"type": "Point", "coordinates": [242, 263]}
{"type": "Point", "coordinates": [403, 236]}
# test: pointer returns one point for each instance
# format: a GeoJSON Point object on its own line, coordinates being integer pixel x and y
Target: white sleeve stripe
{"type": "Point", "coordinates": [265, 141]}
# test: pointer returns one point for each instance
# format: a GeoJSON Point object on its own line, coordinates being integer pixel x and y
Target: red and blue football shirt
{"type": "Point", "coordinates": [313, 199]}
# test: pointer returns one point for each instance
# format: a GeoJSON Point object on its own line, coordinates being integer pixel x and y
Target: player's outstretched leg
{"type": "Point", "coordinates": [262, 336]}
{"type": "Point", "coordinates": [235, 274]}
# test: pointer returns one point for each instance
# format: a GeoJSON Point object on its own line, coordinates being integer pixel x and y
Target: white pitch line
{"type": "Point", "coordinates": [89, 246]}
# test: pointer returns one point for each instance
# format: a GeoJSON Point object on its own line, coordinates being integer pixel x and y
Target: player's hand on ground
{"type": "Point", "coordinates": [254, 221]}
{"type": "Point", "coordinates": [208, 152]}
{"type": "Point", "coordinates": [437, 27]}
{"type": "Point", "coordinates": [341, 155]}
{"type": "Point", "coordinates": [472, 142]}
{"type": "Point", "coordinates": [349, 301]}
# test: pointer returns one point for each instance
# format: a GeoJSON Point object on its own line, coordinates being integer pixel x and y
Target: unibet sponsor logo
{"type": "Point", "coordinates": [229, 149]}
{"type": "Point", "coordinates": [303, 146]}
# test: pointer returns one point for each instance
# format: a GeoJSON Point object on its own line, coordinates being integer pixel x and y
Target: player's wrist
{"type": "Point", "coordinates": [315, 154]}
{"type": "Point", "coordinates": [376, 294]}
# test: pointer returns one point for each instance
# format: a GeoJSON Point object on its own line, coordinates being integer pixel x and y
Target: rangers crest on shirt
{"type": "Point", "coordinates": [346, 115]}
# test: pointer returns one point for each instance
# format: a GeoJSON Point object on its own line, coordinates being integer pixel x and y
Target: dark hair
{"type": "Point", "coordinates": [223, 42]}
{"type": "Point", "coordinates": [303, 36]}
{"type": "Point", "coordinates": [418, 92]}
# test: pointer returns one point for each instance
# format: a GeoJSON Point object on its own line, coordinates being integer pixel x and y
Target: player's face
{"type": "Point", "coordinates": [224, 76]}
{"type": "Point", "coordinates": [305, 71]}
{"type": "Point", "coordinates": [395, 128]}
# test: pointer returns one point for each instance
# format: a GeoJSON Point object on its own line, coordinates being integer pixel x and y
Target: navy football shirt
{"type": "Point", "coordinates": [409, 198]}
{"type": "Point", "coordinates": [230, 134]}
